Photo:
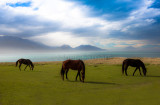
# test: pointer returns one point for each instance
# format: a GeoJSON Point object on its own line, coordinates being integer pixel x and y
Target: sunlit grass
{"type": "Point", "coordinates": [104, 85]}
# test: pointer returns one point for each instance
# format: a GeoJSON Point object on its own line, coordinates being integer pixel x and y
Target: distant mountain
{"type": "Point", "coordinates": [19, 43]}
{"type": "Point", "coordinates": [16, 43]}
{"type": "Point", "coordinates": [88, 48]}
{"type": "Point", "coordinates": [64, 47]}
{"type": "Point", "coordinates": [130, 48]}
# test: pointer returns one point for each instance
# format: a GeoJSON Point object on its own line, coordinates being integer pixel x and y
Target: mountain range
{"type": "Point", "coordinates": [16, 43]}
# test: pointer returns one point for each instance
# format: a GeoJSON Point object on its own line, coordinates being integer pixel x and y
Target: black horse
{"type": "Point", "coordinates": [74, 65]}
{"type": "Point", "coordinates": [134, 63]}
{"type": "Point", "coordinates": [27, 62]}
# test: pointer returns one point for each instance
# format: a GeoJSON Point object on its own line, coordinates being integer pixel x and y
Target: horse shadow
{"type": "Point", "coordinates": [156, 76]}
{"type": "Point", "coordinates": [153, 76]}
{"type": "Point", "coordinates": [105, 83]}
{"type": "Point", "coordinates": [96, 82]}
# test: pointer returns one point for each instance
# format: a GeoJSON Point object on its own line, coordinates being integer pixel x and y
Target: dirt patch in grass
{"type": "Point", "coordinates": [119, 60]}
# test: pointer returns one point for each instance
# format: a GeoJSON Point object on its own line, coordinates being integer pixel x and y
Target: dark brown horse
{"type": "Point", "coordinates": [27, 62]}
{"type": "Point", "coordinates": [134, 63]}
{"type": "Point", "coordinates": [74, 65]}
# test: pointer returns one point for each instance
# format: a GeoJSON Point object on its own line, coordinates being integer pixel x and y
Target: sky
{"type": "Point", "coordinates": [108, 24]}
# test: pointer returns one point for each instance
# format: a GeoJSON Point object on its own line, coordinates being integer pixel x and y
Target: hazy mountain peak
{"type": "Point", "coordinates": [65, 46]}
{"type": "Point", "coordinates": [88, 48]}
{"type": "Point", "coordinates": [11, 42]}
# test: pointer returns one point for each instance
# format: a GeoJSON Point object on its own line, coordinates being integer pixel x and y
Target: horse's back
{"type": "Point", "coordinates": [25, 61]}
{"type": "Point", "coordinates": [73, 64]}
{"type": "Point", "coordinates": [72, 61]}
{"type": "Point", "coordinates": [133, 62]}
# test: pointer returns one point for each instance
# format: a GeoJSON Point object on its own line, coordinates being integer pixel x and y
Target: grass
{"type": "Point", "coordinates": [104, 85]}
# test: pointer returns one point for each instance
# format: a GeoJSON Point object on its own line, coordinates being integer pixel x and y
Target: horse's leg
{"type": "Point", "coordinates": [135, 71]}
{"type": "Point", "coordinates": [77, 75]}
{"type": "Point", "coordinates": [20, 66]}
{"type": "Point", "coordinates": [140, 71]}
{"type": "Point", "coordinates": [62, 74]}
{"type": "Point", "coordinates": [30, 67]}
{"type": "Point", "coordinates": [126, 67]}
{"type": "Point", "coordinates": [25, 68]}
{"type": "Point", "coordinates": [80, 76]}
{"type": "Point", "coordinates": [66, 74]}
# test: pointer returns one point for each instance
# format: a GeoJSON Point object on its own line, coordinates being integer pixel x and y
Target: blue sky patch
{"type": "Point", "coordinates": [117, 9]}
{"type": "Point", "coordinates": [19, 4]}
{"type": "Point", "coordinates": [156, 4]}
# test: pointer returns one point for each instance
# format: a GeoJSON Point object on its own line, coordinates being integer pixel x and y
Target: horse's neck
{"type": "Point", "coordinates": [31, 64]}
{"type": "Point", "coordinates": [143, 66]}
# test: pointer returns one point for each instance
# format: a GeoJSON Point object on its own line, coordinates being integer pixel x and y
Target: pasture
{"type": "Point", "coordinates": [104, 85]}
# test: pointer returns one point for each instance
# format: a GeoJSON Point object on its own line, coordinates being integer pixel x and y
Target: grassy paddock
{"type": "Point", "coordinates": [104, 84]}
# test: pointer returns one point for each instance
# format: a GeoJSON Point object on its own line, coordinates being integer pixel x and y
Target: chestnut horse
{"type": "Point", "coordinates": [134, 63]}
{"type": "Point", "coordinates": [27, 62]}
{"type": "Point", "coordinates": [74, 65]}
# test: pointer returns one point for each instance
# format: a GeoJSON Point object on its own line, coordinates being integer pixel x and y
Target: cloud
{"type": "Point", "coordinates": [19, 21]}
{"type": "Point", "coordinates": [70, 22]}
{"type": "Point", "coordinates": [69, 15]}
{"type": "Point", "coordinates": [60, 38]}
{"type": "Point", "coordinates": [113, 43]}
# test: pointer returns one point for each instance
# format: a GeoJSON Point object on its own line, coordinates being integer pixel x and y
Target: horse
{"type": "Point", "coordinates": [74, 65]}
{"type": "Point", "coordinates": [27, 62]}
{"type": "Point", "coordinates": [134, 63]}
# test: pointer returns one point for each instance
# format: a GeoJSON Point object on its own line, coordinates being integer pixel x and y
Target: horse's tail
{"type": "Point", "coordinates": [62, 72]}
{"type": "Point", "coordinates": [123, 67]}
{"type": "Point", "coordinates": [17, 63]}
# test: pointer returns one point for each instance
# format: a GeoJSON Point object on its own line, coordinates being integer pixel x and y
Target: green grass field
{"type": "Point", "coordinates": [104, 85]}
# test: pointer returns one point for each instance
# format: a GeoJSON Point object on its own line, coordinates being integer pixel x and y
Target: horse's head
{"type": "Point", "coordinates": [32, 67]}
{"type": "Point", "coordinates": [144, 71]}
{"type": "Point", "coordinates": [144, 68]}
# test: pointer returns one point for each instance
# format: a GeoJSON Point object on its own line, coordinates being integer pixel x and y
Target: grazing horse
{"type": "Point", "coordinates": [74, 65]}
{"type": "Point", "coordinates": [27, 62]}
{"type": "Point", "coordinates": [134, 63]}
